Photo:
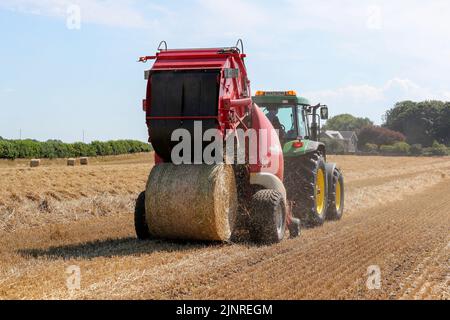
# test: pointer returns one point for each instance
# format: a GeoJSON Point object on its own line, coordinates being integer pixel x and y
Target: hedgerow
{"type": "Point", "coordinates": [27, 149]}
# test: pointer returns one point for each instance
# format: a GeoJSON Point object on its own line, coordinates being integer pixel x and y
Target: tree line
{"type": "Point", "coordinates": [421, 122]}
{"type": "Point", "coordinates": [408, 128]}
{"type": "Point", "coordinates": [51, 149]}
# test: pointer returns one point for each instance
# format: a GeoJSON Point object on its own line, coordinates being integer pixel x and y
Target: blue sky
{"type": "Point", "coordinates": [356, 56]}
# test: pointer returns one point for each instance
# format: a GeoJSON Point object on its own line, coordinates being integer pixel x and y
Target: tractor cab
{"type": "Point", "coordinates": [297, 121]}
{"type": "Point", "coordinates": [292, 115]}
{"type": "Point", "coordinates": [283, 109]}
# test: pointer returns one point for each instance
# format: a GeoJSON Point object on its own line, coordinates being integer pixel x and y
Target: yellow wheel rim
{"type": "Point", "coordinates": [338, 195]}
{"type": "Point", "coordinates": [320, 191]}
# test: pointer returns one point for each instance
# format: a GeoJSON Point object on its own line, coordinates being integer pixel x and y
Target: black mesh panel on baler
{"type": "Point", "coordinates": [181, 94]}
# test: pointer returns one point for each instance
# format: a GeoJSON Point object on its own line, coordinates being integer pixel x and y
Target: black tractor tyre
{"type": "Point", "coordinates": [140, 222]}
{"type": "Point", "coordinates": [302, 179]}
{"type": "Point", "coordinates": [335, 205]}
{"type": "Point", "coordinates": [268, 217]}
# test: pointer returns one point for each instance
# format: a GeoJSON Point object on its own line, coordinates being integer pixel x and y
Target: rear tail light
{"type": "Point", "coordinates": [297, 144]}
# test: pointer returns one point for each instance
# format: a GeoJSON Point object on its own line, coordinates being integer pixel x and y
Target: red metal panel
{"type": "Point", "coordinates": [234, 97]}
{"type": "Point", "coordinates": [191, 59]}
{"type": "Point", "coordinates": [273, 152]}
{"type": "Point", "coordinates": [214, 63]}
{"type": "Point", "coordinates": [183, 118]}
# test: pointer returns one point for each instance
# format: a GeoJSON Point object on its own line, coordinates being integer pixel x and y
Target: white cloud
{"type": "Point", "coordinates": [396, 88]}
{"type": "Point", "coordinates": [402, 89]}
{"type": "Point", "coordinates": [372, 101]}
{"type": "Point", "coordinates": [403, 40]}
{"type": "Point", "coordinates": [355, 93]}
{"type": "Point", "coordinates": [105, 12]}
{"type": "Point", "coordinates": [407, 27]}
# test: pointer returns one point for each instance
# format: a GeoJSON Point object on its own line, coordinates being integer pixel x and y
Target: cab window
{"type": "Point", "coordinates": [301, 123]}
{"type": "Point", "coordinates": [283, 119]}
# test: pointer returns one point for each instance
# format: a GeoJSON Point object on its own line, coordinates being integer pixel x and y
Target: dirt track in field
{"type": "Point", "coordinates": [397, 218]}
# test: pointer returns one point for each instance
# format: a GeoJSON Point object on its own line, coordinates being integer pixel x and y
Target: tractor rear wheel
{"type": "Point", "coordinates": [336, 199]}
{"type": "Point", "coordinates": [140, 222]}
{"type": "Point", "coordinates": [309, 189]}
{"type": "Point", "coordinates": [268, 217]}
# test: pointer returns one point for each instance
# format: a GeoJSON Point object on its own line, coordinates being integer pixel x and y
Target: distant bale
{"type": "Point", "coordinates": [84, 161]}
{"type": "Point", "coordinates": [71, 162]}
{"type": "Point", "coordinates": [35, 163]}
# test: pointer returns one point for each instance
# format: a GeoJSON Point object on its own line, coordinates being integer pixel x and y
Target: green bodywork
{"type": "Point", "coordinates": [285, 101]}
{"type": "Point", "coordinates": [289, 151]}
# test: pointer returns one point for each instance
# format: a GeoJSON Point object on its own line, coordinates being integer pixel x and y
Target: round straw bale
{"type": "Point", "coordinates": [71, 162]}
{"type": "Point", "coordinates": [197, 202]}
{"type": "Point", "coordinates": [35, 163]}
{"type": "Point", "coordinates": [84, 161]}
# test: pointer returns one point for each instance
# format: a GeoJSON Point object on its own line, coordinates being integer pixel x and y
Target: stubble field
{"type": "Point", "coordinates": [397, 218]}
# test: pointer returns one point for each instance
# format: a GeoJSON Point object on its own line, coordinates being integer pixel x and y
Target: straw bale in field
{"type": "Point", "coordinates": [196, 202]}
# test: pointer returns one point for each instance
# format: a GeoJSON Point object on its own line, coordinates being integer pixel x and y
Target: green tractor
{"type": "Point", "coordinates": [314, 186]}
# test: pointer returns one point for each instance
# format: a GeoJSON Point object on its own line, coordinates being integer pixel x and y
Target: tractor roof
{"type": "Point", "coordinates": [287, 98]}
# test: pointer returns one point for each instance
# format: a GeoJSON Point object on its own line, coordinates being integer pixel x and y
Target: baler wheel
{"type": "Point", "coordinates": [268, 217]}
{"type": "Point", "coordinates": [140, 222]}
{"type": "Point", "coordinates": [336, 198]}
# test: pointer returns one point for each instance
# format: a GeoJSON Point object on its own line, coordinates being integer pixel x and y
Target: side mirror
{"type": "Point", "coordinates": [324, 113]}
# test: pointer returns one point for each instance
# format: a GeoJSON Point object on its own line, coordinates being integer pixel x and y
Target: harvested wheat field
{"type": "Point", "coordinates": [53, 216]}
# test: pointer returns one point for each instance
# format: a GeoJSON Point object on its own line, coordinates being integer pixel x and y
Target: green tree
{"type": "Point", "coordinates": [27, 149]}
{"type": "Point", "coordinates": [441, 128]}
{"type": "Point", "coordinates": [102, 148]}
{"type": "Point", "coordinates": [379, 136]}
{"type": "Point", "coordinates": [333, 146]}
{"type": "Point", "coordinates": [438, 149]}
{"type": "Point", "coordinates": [386, 149]}
{"type": "Point", "coordinates": [8, 150]}
{"type": "Point", "coordinates": [81, 149]}
{"type": "Point", "coordinates": [402, 148]}
{"type": "Point", "coordinates": [421, 122]}
{"type": "Point", "coordinates": [371, 147]}
{"type": "Point", "coordinates": [12, 149]}
{"type": "Point", "coordinates": [416, 149]}
{"type": "Point", "coordinates": [347, 122]}
{"type": "Point", "coordinates": [118, 147]}
{"type": "Point", "coordinates": [48, 150]}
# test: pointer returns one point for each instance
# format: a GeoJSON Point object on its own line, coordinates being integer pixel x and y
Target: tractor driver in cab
{"type": "Point", "coordinates": [272, 115]}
